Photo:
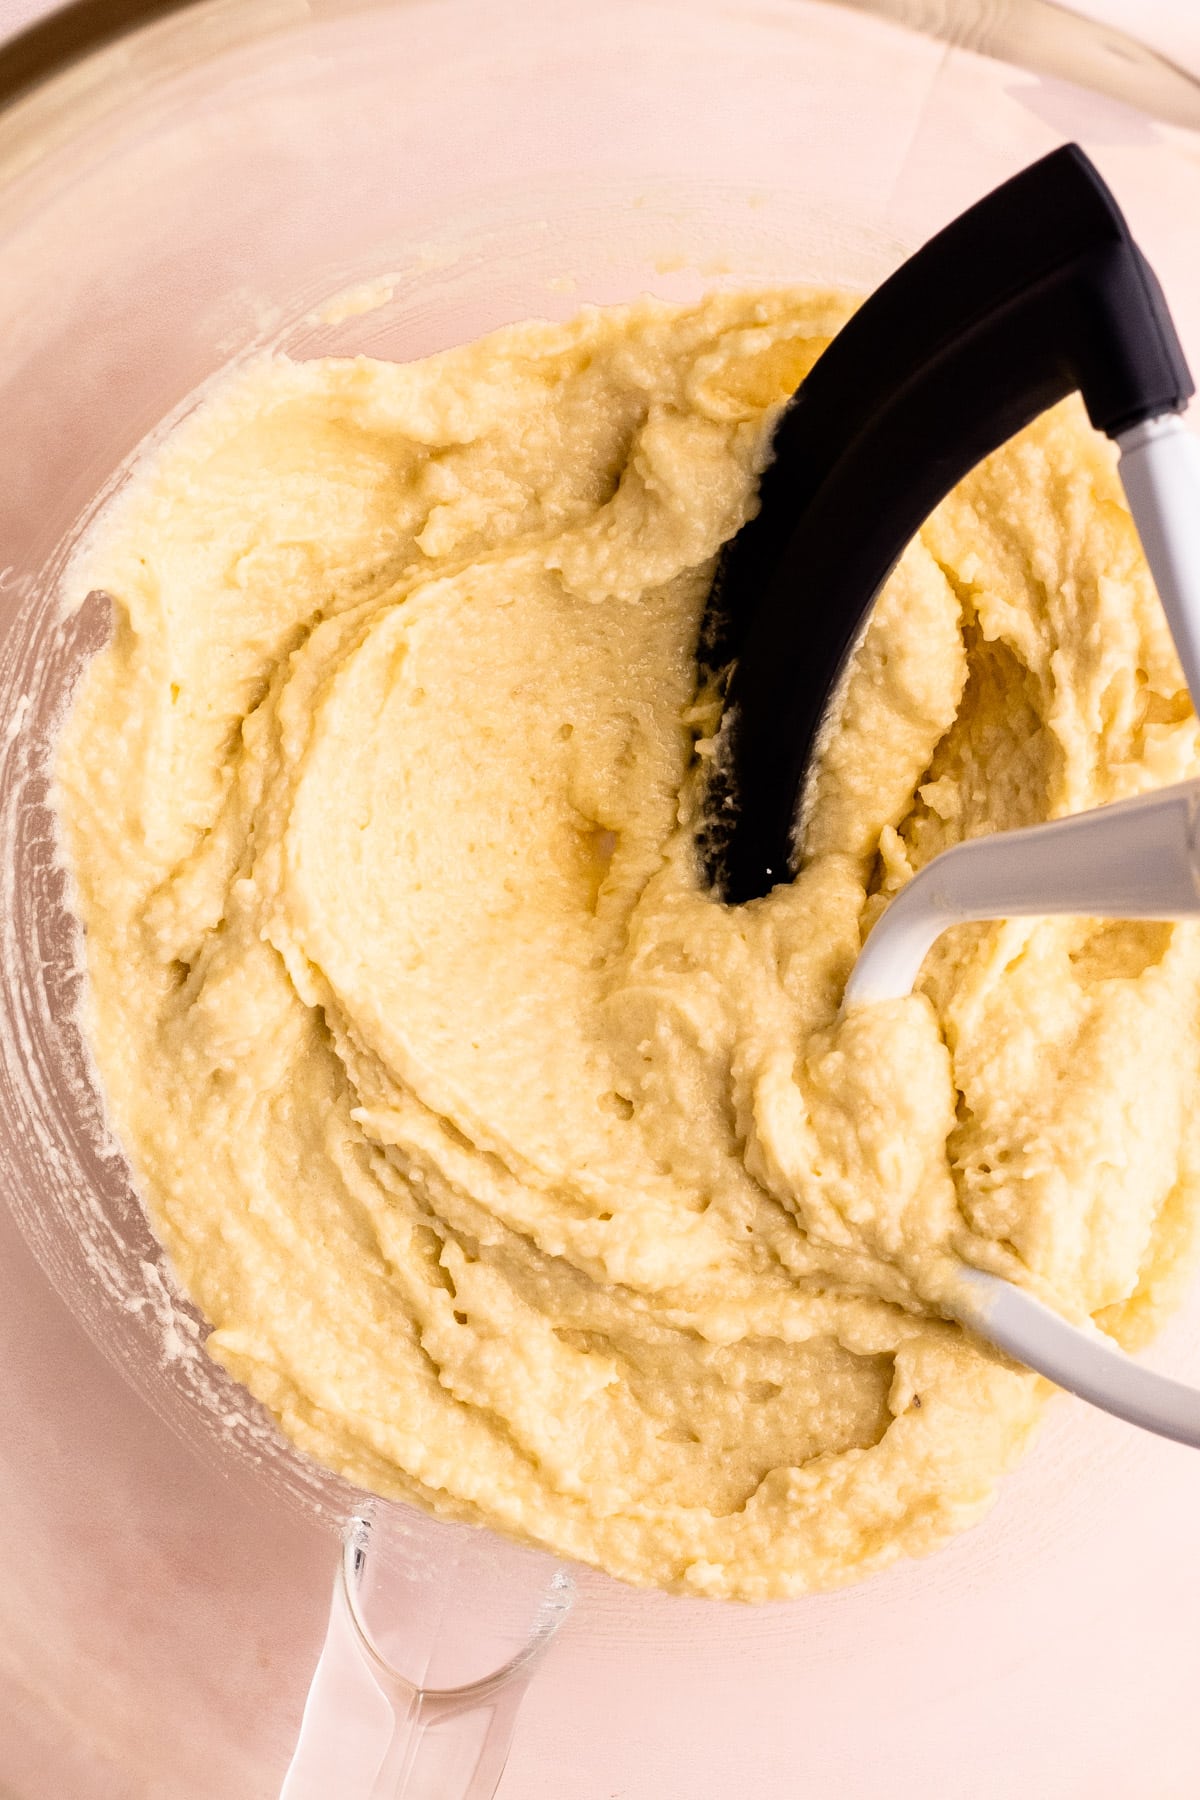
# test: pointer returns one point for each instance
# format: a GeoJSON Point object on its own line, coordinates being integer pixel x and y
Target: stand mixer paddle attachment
{"type": "Point", "coordinates": [1036, 292]}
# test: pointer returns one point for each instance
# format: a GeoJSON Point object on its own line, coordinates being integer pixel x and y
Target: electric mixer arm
{"type": "Point", "coordinates": [1137, 859]}
{"type": "Point", "coordinates": [1036, 291]}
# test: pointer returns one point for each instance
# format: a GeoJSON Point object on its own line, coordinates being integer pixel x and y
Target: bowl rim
{"type": "Point", "coordinates": [69, 34]}
{"type": "Point", "coordinates": [1036, 34]}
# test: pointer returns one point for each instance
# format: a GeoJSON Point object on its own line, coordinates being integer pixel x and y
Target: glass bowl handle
{"type": "Point", "coordinates": [370, 1733]}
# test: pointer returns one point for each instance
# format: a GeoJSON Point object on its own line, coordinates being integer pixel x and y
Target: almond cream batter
{"type": "Point", "coordinates": [516, 1175]}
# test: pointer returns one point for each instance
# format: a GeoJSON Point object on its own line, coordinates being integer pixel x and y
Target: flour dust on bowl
{"type": "Point", "coordinates": [172, 1561]}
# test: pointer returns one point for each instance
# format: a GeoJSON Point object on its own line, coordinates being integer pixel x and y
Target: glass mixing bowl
{"type": "Point", "coordinates": [179, 185]}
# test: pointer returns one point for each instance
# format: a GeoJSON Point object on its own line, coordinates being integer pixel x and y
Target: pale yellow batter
{"type": "Point", "coordinates": [516, 1175]}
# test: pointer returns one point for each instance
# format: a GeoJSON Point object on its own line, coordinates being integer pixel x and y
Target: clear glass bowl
{"type": "Point", "coordinates": [171, 196]}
